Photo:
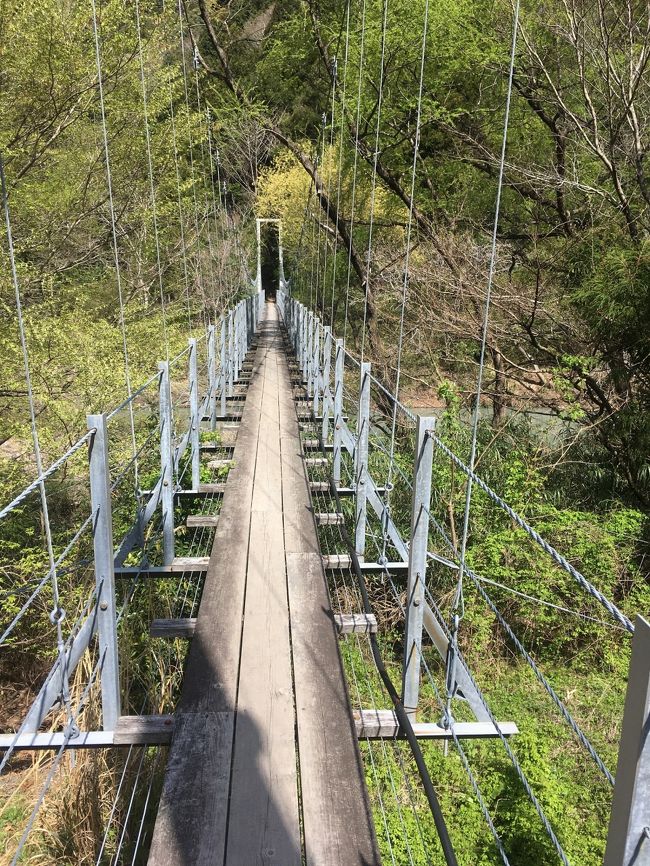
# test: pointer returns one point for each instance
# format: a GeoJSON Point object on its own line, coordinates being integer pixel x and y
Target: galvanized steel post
{"type": "Point", "coordinates": [303, 344]}
{"type": "Point", "coordinates": [237, 341]}
{"type": "Point", "coordinates": [339, 366]}
{"type": "Point", "coordinates": [166, 464]}
{"type": "Point", "coordinates": [281, 278]}
{"type": "Point", "coordinates": [231, 354]}
{"type": "Point", "coordinates": [310, 354]}
{"type": "Point", "coordinates": [242, 336]}
{"type": "Point", "coordinates": [258, 235]}
{"type": "Point", "coordinates": [195, 421]}
{"type": "Point", "coordinates": [222, 367]}
{"type": "Point", "coordinates": [106, 613]}
{"type": "Point", "coordinates": [361, 461]}
{"type": "Point", "coordinates": [212, 377]}
{"type": "Point", "coordinates": [292, 319]}
{"type": "Point", "coordinates": [420, 506]}
{"type": "Point", "coordinates": [628, 838]}
{"type": "Point", "coordinates": [327, 391]}
{"type": "Point", "coordinates": [316, 369]}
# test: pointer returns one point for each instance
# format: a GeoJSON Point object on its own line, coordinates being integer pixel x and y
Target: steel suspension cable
{"type": "Point", "coordinates": [321, 224]}
{"type": "Point", "coordinates": [181, 217]}
{"type": "Point", "coordinates": [199, 267]}
{"type": "Point", "coordinates": [328, 177]}
{"type": "Point", "coordinates": [111, 207]}
{"type": "Point", "coordinates": [405, 281]}
{"type": "Point", "coordinates": [339, 172]}
{"type": "Point", "coordinates": [373, 189]}
{"type": "Point", "coordinates": [218, 227]}
{"type": "Point", "coordinates": [205, 180]}
{"type": "Point", "coordinates": [152, 188]}
{"type": "Point", "coordinates": [355, 166]}
{"type": "Point", "coordinates": [459, 601]}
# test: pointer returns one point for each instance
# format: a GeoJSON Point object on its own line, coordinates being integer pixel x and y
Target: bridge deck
{"type": "Point", "coordinates": [264, 767]}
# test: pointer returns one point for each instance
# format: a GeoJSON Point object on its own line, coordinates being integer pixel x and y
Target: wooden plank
{"type": "Point", "coordinates": [334, 561]}
{"type": "Point", "coordinates": [191, 821]}
{"type": "Point", "coordinates": [146, 730]}
{"type": "Point", "coordinates": [213, 488]}
{"type": "Point", "coordinates": [226, 463]}
{"type": "Point", "coordinates": [337, 819]}
{"type": "Point", "coordinates": [355, 623]}
{"type": "Point", "coordinates": [329, 518]}
{"type": "Point", "coordinates": [264, 824]}
{"type": "Point", "coordinates": [190, 563]}
{"type": "Point", "coordinates": [200, 520]}
{"type": "Point", "coordinates": [383, 724]}
{"type": "Point", "coordinates": [172, 628]}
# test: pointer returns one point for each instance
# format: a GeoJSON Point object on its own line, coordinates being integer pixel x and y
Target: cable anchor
{"type": "Point", "coordinates": [57, 615]}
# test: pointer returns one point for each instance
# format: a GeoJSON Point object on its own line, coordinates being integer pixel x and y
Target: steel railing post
{"type": "Point", "coordinates": [166, 464]}
{"type": "Point", "coordinates": [316, 367]}
{"type": "Point", "coordinates": [327, 392]}
{"type": "Point", "coordinates": [310, 355]}
{"type": "Point", "coordinates": [242, 337]}
{"type": "Point", "coordinates": [231, 354]}
{"type": "Point", "coordinates": [627, 837]}
{"type": "Point", "coordinates": [420, 507]}
{"type": "Point", "coordinates": [195, 421]}
{"type": "Point", "coordinates": [212, 377]}
{"type": "Point", "coordinates": [106, 613]}
{"type": "Point", "coordinates": [339, 366]}
{"type": "Point", "coordinates": [237, 341]}
{"type": "Point", "coordinates": [361, 461]}
{"type": "Point", "coordinates": [303, 345]}
{"type": "Point", "coordinates": [222, 367]}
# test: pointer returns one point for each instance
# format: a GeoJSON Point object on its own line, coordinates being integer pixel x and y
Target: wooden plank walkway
{"type": "Point", "coordinates": [264, 766]}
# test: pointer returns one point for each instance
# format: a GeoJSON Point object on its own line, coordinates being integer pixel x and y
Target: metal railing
{"type": "Point", "coordinates": [350, 427]}
{"type": "Point", "coordinates": [161, 447]}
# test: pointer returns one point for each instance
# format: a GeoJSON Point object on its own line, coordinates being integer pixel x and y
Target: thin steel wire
{"type": "Point", "coordinates": [152, 188]}
{"type": "Point", "coordinates": [43, 476]}
{"type": "Point", "coordinates": [355, 166]}
{"type": "Point", "coordinates": [458, 601]}
{"type": "Point", "coordinates": [179, 199]}
{"type": "Point", "coordinates": [373, 186]}
{"type": "Point", "coordinates": [339, 171]}
{"type": "Point", "coordinates": [111, 207]}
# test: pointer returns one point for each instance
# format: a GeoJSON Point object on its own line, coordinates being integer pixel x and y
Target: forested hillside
{"type": "Point", "coordinates": [140, 140]}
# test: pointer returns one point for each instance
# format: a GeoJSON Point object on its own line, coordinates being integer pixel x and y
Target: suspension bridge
{"type": "Point", "coordinates": [264, 762]}
{"type": "Point", "coordinates": [263, 522]}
